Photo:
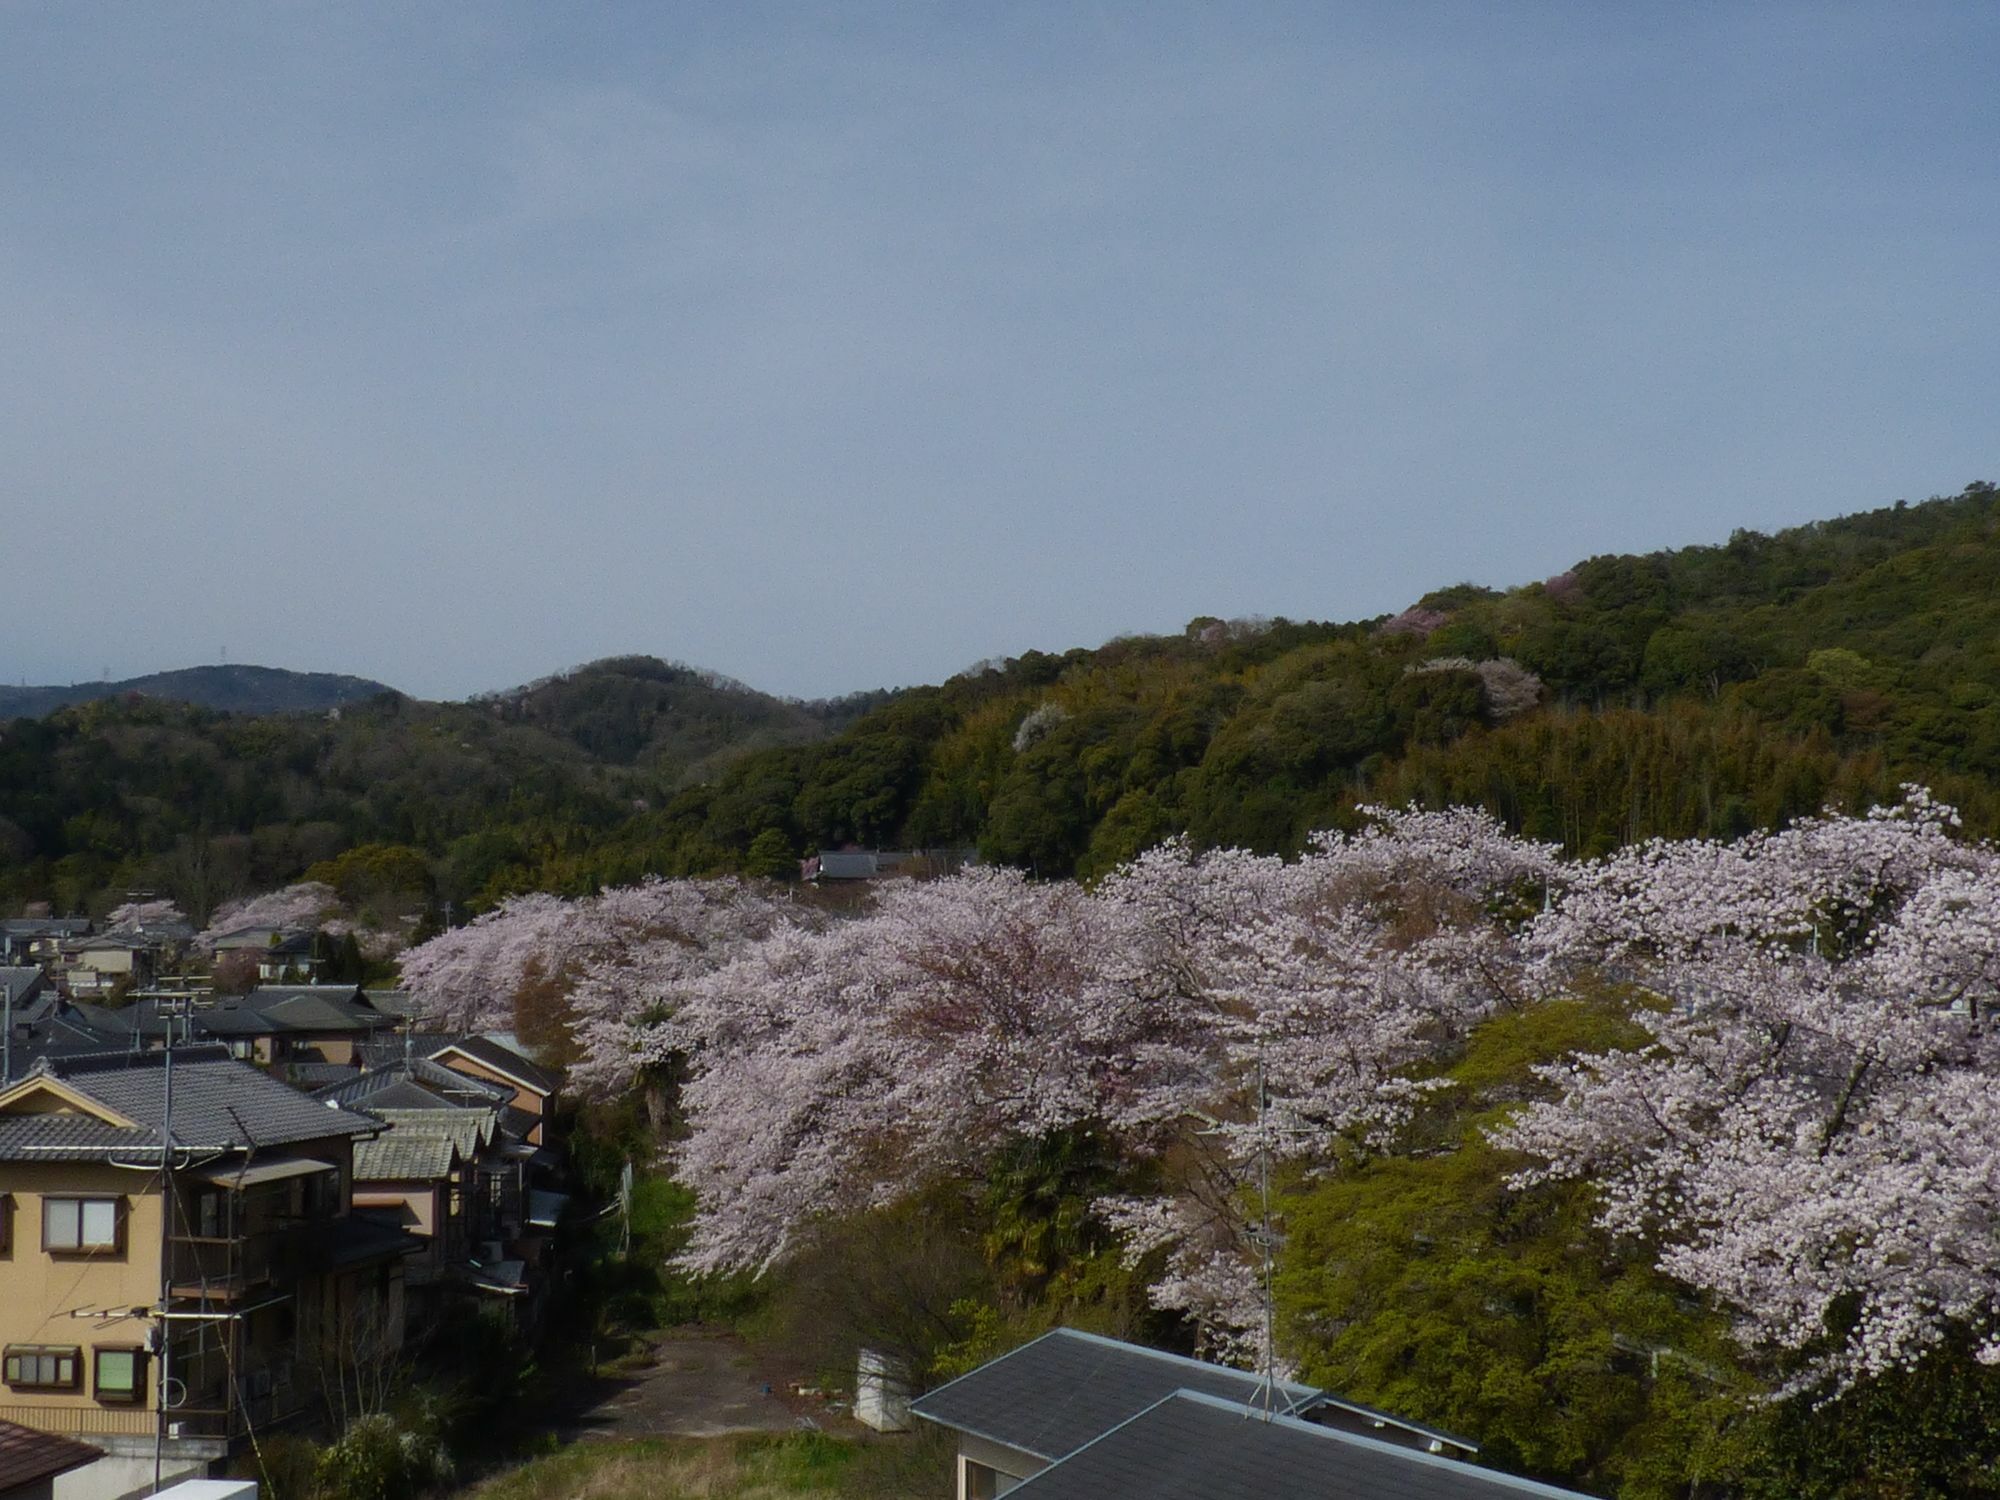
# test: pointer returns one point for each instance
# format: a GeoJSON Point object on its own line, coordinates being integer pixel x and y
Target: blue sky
{"type": "Point", "coordinates": [833, 347]}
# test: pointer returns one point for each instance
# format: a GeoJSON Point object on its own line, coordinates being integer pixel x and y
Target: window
{"type": "Point", "coordinates": [121, 1375]}
{"type": "Point", "coordinates": [42, 1367]}
{"type": "Point", "coordinates": [6, 1223]}
{"type": "Point", "coordinates": [80, 1224]}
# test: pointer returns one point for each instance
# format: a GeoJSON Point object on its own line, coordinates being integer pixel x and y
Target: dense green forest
{"type": "Point", "coordinates": [1701, 691]}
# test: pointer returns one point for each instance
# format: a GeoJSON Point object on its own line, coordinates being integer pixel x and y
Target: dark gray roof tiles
{"type": "Point", "coordinates": [29, 987]}
{"type": "Point", "coordinates": [218, 1102]}
{"type": "Point", "coordinates": [404, 1156]}
{"type": "Point", "coordinates": [385, 1050]}
{"type": "Point", "coordinates": [491, 1054]}
{"type": "Point", "coordinates": [69, 1137]}
{"type": "Point", "coordinates": [27, 1456]}
{"type": "Point", "coordinates": [317, 1007]}
{"type": "Point", "coordinates": [1191, 1446]}
{"type": "Point", "coordinates": [1053, 1395]}
{"type": "Point", "coordinates": [416, 1083]}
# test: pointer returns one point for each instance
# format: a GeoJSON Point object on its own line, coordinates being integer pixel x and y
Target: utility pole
{"type": "Point", "coordinates": [167, 1205]}
{"type": "Point", "coordinates": [6, 1037]}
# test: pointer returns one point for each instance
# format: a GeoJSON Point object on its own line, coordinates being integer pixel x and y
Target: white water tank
{"type": "Point", "coordinates": [881, 1393]}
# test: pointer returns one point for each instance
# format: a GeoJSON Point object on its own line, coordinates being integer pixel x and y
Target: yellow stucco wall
{"type": "Point", "coordinates": [40, 1289]}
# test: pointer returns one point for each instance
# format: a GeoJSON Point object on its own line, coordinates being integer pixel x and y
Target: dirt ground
{"type": "Point", "coordinates": [700, 1385]}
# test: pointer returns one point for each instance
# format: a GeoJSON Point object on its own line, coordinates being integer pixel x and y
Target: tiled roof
{"type": "Point", "coordinates": [57, 1029]}
{"type": "Point", "coordinates": [399, 1003]}
{"type": "Point", "coordinates": [1190, 1446]}
{"type": "Point", "coordinates": [69, 1137]}
{"type": "Point", "coordinates": [416, 1083]}
{"type": "Point", "coordinates": [218, 1102]}
{"type": "Point", "coordinates": [316, 1077]}
{"type": "Point", "coordinates": [1053, 1395]}
{"type": "Point", "coordinates": [317, 1007]}
{"type": "Point", "coordinates": [490, 1054]}
{"type": "Point", "coordinates": [385, 1050]}
{"type": "Point", "coordinates": [467, 1129]}
{"type": "Point", "coordinates": [404, 1156]}
{"type": "Point", "coordinates": [27, 1456]}
{"type": "Point", "coordinates": [27, 984]}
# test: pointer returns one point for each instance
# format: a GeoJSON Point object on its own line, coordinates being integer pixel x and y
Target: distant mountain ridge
{"type": "Point", "coordinates": [227, 689]}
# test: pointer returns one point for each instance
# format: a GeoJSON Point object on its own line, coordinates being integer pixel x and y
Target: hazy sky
{"type": "Point", "coordinates": [836, 346]}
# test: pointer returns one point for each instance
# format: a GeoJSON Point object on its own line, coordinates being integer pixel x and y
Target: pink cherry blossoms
{"type": "Point", "coordinates": [1813, 1137]}
{"type": "Point", "coordinates": [1809, 1137]}
{"type": "Point", "coordinates": [296, 906]}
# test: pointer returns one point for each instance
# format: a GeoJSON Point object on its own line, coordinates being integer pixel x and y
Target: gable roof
{"type": "Point", "coordinates": [1192, 1446]}
{"type": "Point", "coordinates": [27, 1456]}
{"type": "Point", "coordinates": [316, 1007]}
{"type": "Point", "coordinates": [1051, 1396]}
{"type": "Point", "coordinates": [467, 1129]}
{"type": "Point", "coordinates": [414, 1083]}
{"type": "Point", "coordinates": [488, 1053]}
{"type": "Point", "coordinates": [404, 1156]}
{"type": "Point", "coordinates": [219, 1104]}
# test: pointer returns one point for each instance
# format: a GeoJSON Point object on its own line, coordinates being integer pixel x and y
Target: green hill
{"type": "Point", "coordinates": [1706, 690]}
{"type": "Point", "coordinates": [237, 690]}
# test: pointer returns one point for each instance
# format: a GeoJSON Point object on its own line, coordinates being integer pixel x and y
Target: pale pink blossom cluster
{"type": "Point", "coordinates": [618, 956]}
{"type": "Point", "coordinates": [1220, 1012]}
{"type": "Point", "coordinates": [1812, 1137]}
{"type": "Point", "coordinates": [1809, 1136]}
{"type": "Point", "coordinates": [134, 916]}
{"type": "Point", "coordinates": [303, 905]}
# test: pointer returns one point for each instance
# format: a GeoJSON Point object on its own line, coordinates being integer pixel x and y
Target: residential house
{"type": "Point", "coordinates": [535, 1087]}
{"type": "Point", "coordinates": [283, 954]}
{"type": "Point", "coordinates": [281, 1026]}
{"type": "Point", "coordinates": [452, 1167]}
{"type": "Point", "coordinates": [99, 965]}
{"type": "Point", "coordinates": [39, 940]}
{"type": "Point", "coordinates": [1072, 1416]}
{"type": "Point", "coordinates": [46, 1024]}
{"type": "Point", "coordinates": [224, 1247]}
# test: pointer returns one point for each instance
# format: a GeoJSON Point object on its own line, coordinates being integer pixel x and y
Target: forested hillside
{"type": "Point", "coordinates": [1706, 690]}
{"type": "Point", "coordinates": [237, 690]}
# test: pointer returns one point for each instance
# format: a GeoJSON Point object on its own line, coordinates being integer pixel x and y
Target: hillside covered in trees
{"type": "Point", "coordinates": [1707, 690]}
{"type": "Point", "coordinates": [231, 689]}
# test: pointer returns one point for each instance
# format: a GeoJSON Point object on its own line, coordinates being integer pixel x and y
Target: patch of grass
{"type": "Point", "coordinates": [914, 1467]}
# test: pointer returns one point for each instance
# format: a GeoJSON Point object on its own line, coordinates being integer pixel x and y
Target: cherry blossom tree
{"type": "Point", "coordinates": [303, 905]}
{"type": "Point", "coordinates": [138, 915]}
{"type": "Point", "coordinates": [1215, 1012]}
{"type": "Point", "coordinates": [1812, 1136]}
